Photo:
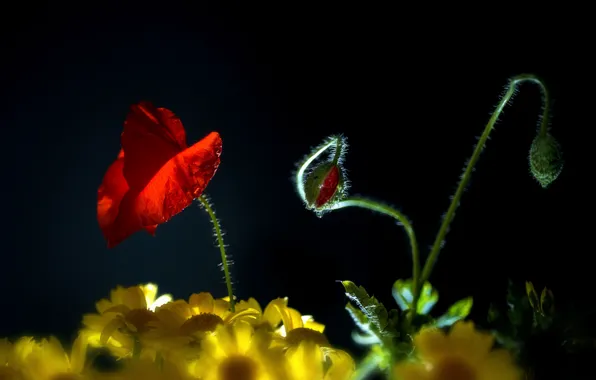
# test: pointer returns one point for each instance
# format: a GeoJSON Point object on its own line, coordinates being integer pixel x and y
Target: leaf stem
{"type": "Point", "coordinates": [222, 250]}
{"type": "Point", "coordinates": [465, 179]}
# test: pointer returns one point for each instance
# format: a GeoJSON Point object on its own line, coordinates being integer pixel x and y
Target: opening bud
{"type": "Point", "coordinates": [322, 184]}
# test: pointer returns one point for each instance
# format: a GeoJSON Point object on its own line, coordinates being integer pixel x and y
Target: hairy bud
{"type": "Point", "coordinates": [546, 159]}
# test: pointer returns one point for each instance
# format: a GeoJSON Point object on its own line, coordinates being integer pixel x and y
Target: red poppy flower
{"type": "Point", "coordinates": [155, 176]}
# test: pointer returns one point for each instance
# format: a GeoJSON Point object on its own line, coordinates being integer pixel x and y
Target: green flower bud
{"type": "Point", "coordinates": [546, 161]}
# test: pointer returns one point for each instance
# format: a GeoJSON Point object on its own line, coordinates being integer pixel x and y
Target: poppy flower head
{"type": "Point", "coordinates": [156, 175]}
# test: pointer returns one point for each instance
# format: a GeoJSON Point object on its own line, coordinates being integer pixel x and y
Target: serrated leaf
{"type": "Point", "coordinates": [532, 296]}
{"type": "Point", "coordinates": [358, 316]}
{"type": "Point", "coordinates": [458, 311]}
{"type": "Point", "coordinates": [374, 311]}
{"type": "Point", "coordinates": [403, 292]}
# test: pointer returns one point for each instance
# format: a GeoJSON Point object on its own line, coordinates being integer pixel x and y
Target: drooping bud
{"type": "Point", "coordinates": [321, 183]}
{"type": "Point", "coordinates": [546, 159]}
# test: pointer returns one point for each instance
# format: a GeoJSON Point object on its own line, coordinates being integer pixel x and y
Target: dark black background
{"type": "Point", "coordinates": [411, 90]}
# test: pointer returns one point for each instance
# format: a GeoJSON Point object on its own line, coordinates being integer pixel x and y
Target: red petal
{"type": "Point", "coordinates": [110, 194]}
{"type": "Point", "coordinates": [328, 187]}
{"type": "Point", "coordinates": [110, 197]}
{"type": "Point", "coordinates": [151, 137]}
{"type": "Point", "coordinates": [181, 180]}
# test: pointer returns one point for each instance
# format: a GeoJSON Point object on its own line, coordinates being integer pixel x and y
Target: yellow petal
{"type": "Point", "coordinates": [110, 329]}
{"type": "Point", "coordinates": [244, 332]}
{"type": "Point", "coordinates": [271, 314]}
{"type": "Point", "coordinates": [499, 365]}
{"type": "Point", "coordinates": [150, 292]}
{"type": "Point", "coordinates": [134, 298]}
{"type": "Point", "coordinates": [243, 314]}
{"type": "Point", "coordinates": [431, 344]}
{"type": "Point", "coordinates": [411, 371]}
{"type": "Point", "coordinates": [291, 318]}
{"type": "Point", "coordinates": [469, 342]}
{"type": "Point", "coordinates": [78, 354]}
{"type": "Point", "coordinates": [203, 301]}
{"type": "Point", "coordinates": [310, 323]}
{"type": "Point", "coordinates": [102, 305]}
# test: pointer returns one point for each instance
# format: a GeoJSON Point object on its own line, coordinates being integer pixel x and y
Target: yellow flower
{"type": "Point", "coordinates": [144, 369]}
{"type": "Point", "coordinates": [182, 323]}
{"type": "Point", "coordinates": [125, 315]}
{"type": "Point", "coordinates": [47, 360]}
{"type": "Point", "coordinates": [463, 354]}
{"type": "Point", "coordinates": [308, 361]}
{"type": "Point", "coordinates": [296, 327]}
{"type": "Point", "coordinates": [238, 352]}
{"type": "Point", "coordinates": [9, 369]}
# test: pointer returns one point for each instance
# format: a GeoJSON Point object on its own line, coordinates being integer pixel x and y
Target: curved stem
{"type": "Point", "coordinates": [390, 211]}
{"type": "Point", "coordinates": [513, 83]}
{"type": "Point", "coordinates": [224, 259]}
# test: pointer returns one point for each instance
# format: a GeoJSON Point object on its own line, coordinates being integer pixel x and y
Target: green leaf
{"type": "Point", "coordinates": [403, 293]}
{"type": "Point", "coordinates": [458, 311]}
{"type": "Point", "coordinates": [428, 299]}
{"type": "Point", "coordinates": [532, 296]}
{"type": "Point", "coordinates": [547, 302]}
{"type": "Point", "coordinates": [376, 314]}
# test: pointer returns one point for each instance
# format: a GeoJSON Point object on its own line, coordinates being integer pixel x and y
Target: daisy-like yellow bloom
{"type": "Point", "coordinates": [180, 323]}
{"type": "Point", "coordinates": [239, 352]}
{"type": "Point", "coordinates": [464, 354]}
{"type": "Point", "coordinates": [47, 360]}
{"type": "Point", "coordinates": [120, 319]}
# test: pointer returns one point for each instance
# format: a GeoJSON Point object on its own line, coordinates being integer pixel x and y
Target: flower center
{"type": "Point", "coordinates": [7, 373]}
{"type": "Point", "coordinates": [452, 368]}
{"type": "Point", "coordinates": [297, 335]}
{"type": "Point", "coordinates": [139, 318]}
{"type": "Point", "coordinates": [238, 367]}
{"type": "Point", "coordinates": [201, 323]}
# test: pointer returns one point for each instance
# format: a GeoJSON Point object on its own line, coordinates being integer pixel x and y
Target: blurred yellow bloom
{"type": "Point", "coordinates": [238, 352]}
{"type": "Point", "coordinates": [144, 369]}
{"type": "Point", "coordinates": [47, 360]}
{"type": "Point", "coordinates": [127, 313]}
{"type": "Point", "coordinates": [9, 369]}
{"type": "Point", "coordinates": [463, 354]}
{"type": "Point", "coordinates": [308, 361]}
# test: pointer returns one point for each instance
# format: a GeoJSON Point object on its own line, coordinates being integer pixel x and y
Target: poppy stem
{"type": "Point", "coordinates": [395, 214]}
{"type": "Point", "coordinates": [465, 178]}
{"type": "Point", "coordinates": [224, 259]}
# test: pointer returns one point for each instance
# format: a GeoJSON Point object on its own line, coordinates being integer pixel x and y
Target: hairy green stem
{"type": "Point", "coordinates": [390, 211]}
{"type": "Point", "coordinates": [224, 259]}
{"type": "Point", "coordinates": [367, 367]}
{"type": "Point", "coordinates": [513, 83]}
